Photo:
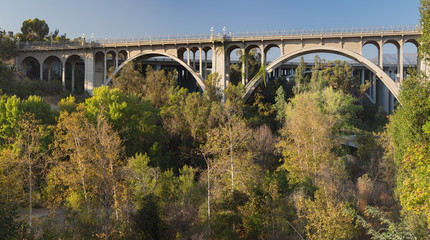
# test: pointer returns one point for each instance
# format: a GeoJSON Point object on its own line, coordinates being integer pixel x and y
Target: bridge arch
{"type": "Point", "coordinates": [52, 68]}
{"type": "Point", "coordinates": [150, 54]}
{"type": "Point", "coordinates": [389, 83]}
{"type": "Point", "coordinates": [32, 66]}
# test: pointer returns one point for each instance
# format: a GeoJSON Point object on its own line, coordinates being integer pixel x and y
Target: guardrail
{"type": "Point", "coordinates": [85, 42]}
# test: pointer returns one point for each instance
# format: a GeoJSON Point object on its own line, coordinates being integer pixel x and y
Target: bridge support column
{"type": "Point", "coordinates": [218, 65]}
{"type": "Point", "coordinates": [206, 65]}
{"type": "Point", "coordinates": [246, 69]}
{"type": "Point", "coordinates": [400, 63]}
{"type": "Point", "coordinates": [104, 68]}
{"type": "Point", "coordinates": [381, 56]}
{"type": "Point", "coordinates": [73, 77]}
{"type": "Point", "coordinates": [201, 62]}
{"type": "Point", "coordinates": [243, 59]}
{"type": "Point", "coordinates": [63, 75]}
{"type": "Point", "coordinates": [89, 72]}
{"type": "Point", "coordinates": [194, 60]}
{"type": "Point", "coordinates": [49, 71]}
{"type": "Point", "coordinates": [116, 60]}
{"type": "Point", "coordinates": [188, 56]}
{"type": "Point", "coordinates": [41, 70]}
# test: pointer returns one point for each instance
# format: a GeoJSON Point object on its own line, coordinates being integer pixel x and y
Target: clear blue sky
{"type": "Point", "coordinates": [127, 18]}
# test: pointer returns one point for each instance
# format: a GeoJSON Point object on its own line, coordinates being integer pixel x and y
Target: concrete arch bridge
{"type": "Point", "coordinates": [85, 65]}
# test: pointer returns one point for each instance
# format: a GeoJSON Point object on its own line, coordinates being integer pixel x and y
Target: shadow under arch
{"type": "Point", "coordinates": [389, 83]}
{"type": "Point", "coordinates": [150, 54]}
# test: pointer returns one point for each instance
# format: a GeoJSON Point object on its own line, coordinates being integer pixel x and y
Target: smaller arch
{"type": "Point", "coordinates": [413, 41]}
{"type": "Point", "coordinates": [250, 47]}
{"type": "Point", "coordinates": [52, 68]}
{"type": "Point", "coordinates": [99, 68]}
{"type": "Point", "coordinates": [206, 48]}
{"type": "Point", "coordinates": [394, 42]}
{"type": "Point", "coordinates": [31, 67]}
{"type": "Point", "coordinates": [372, 42]}
{"type": "Point", "coordinates": [231, 49]}
{"type": "Point", "coordinates": [268, 47]}
{"type": "Point", "coordinates": [75, 74]}
{"type": "Point", "coordinates": [181, 52]}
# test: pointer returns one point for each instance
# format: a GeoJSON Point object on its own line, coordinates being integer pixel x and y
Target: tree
{"type": "Point", "coordinates": [134, 118]}
{"type": "Point", "coordinates": [30, 150]}
{"type": "Point", "coordinates": [8, 47]}
{"type": "Point", "coordinates": [34, 30]}
{"type": "Point", "coordinates": [338, 75]}
{"type": "Point", "coordinates": [9, 224]}
{"type": "Point", "coordinates": [424, 46]}
{"type": "Point", "coordinates": [153, 86]}
{"type": "Point", "coordinates": [87, 173]}
{"type": "Point", "coordinates": [307, 142]}
{"type": "Point", "coordinates": [299, 77]}
{"type": "Point", "coordinates": [325, 219]}
{"type": "Point", "coordinates": [388, 230]}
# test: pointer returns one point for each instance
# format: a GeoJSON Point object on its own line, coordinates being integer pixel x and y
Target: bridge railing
{"type": "Point", "coordinates": [329, 31]}
{"type": "Point", "coordinates": [88, 42]}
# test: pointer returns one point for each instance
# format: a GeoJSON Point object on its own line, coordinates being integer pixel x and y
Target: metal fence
{"type": "Point", "coordinates": [87, 42]}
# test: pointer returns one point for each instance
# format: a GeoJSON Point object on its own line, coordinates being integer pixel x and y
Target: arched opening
{"type": "Point", "coordinates": [253, 62]}
{"type": "Point", "coordinates": [195, 62]}
{"type": "Point", "coordinates": [207, 64]}
{"type": "Point", "coordinates": [75, 74]}
{"type": "Point", "coordinates": [31, 67]}
{"type": "Point", "coordinates": [410, 56]}
{"type": "Point", "coordinates": [186, 77]}
{"type": "Point", "coordinates": [122, 56]}
{"type": "Point", "coordinates": [391, 66]}
{"type": "Point", "coordinates": [111, 62]}
{"type": "Point", "coordinates": [52, 70]}
{"type": "Point", "coordinates": [371, 52]}
{"type": "Point", "coordinates": [234, 61]}
{"type": "Point", "coordinates": [272, 52]}
{"type": "Point", "coordinates": [99, 69]}
{"type": "Point", "coordinates": [184, 55]}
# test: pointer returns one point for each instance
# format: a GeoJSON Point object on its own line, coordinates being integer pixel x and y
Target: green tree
{"type": "Point", "coordinates": [34, 30]}
{"type": "Point", "coordinates": [424, 40]}
{"type": "Point", "coordinates": [325, 219]}
{"type": "Point", "coordinates": [86, 175]}
{"type": "Point", "coordinates": [154, 86]}
{"type": "Point", "coordinates": [307, 142]}
{"type": "Point", "coordinates": [338, 75]}
{"type": "Point", "coordinates": [299, 77]}
{"type": "Point", "coordinates": [30, 150]}
{"type": "Point", "coordinates": [8, 47]}
{"type": "Point", "coordinates": [387, 230]}
{"type": "Point", "coordinates": [133, 118]}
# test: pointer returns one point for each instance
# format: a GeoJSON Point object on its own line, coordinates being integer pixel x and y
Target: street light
{"type": "Point", "coordinates": [92, 37]}
{"type": "Point", "coordinates": [212, 31]}
{"type": "Point", "coordinates": [224, 30]}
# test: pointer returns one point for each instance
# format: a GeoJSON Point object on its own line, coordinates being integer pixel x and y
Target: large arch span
{"type": "Point", "coordinates": [149, 54]}
{"type": "Point", "coordinates": [389, 83]}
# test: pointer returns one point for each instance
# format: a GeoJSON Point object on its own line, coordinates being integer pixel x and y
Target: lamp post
{"type": "Point", "coordinates": [224, 30]}
{"type": "Point", "coordinates": [92, 37]}
{"type": "Point", "coordinates": [83, 39]}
